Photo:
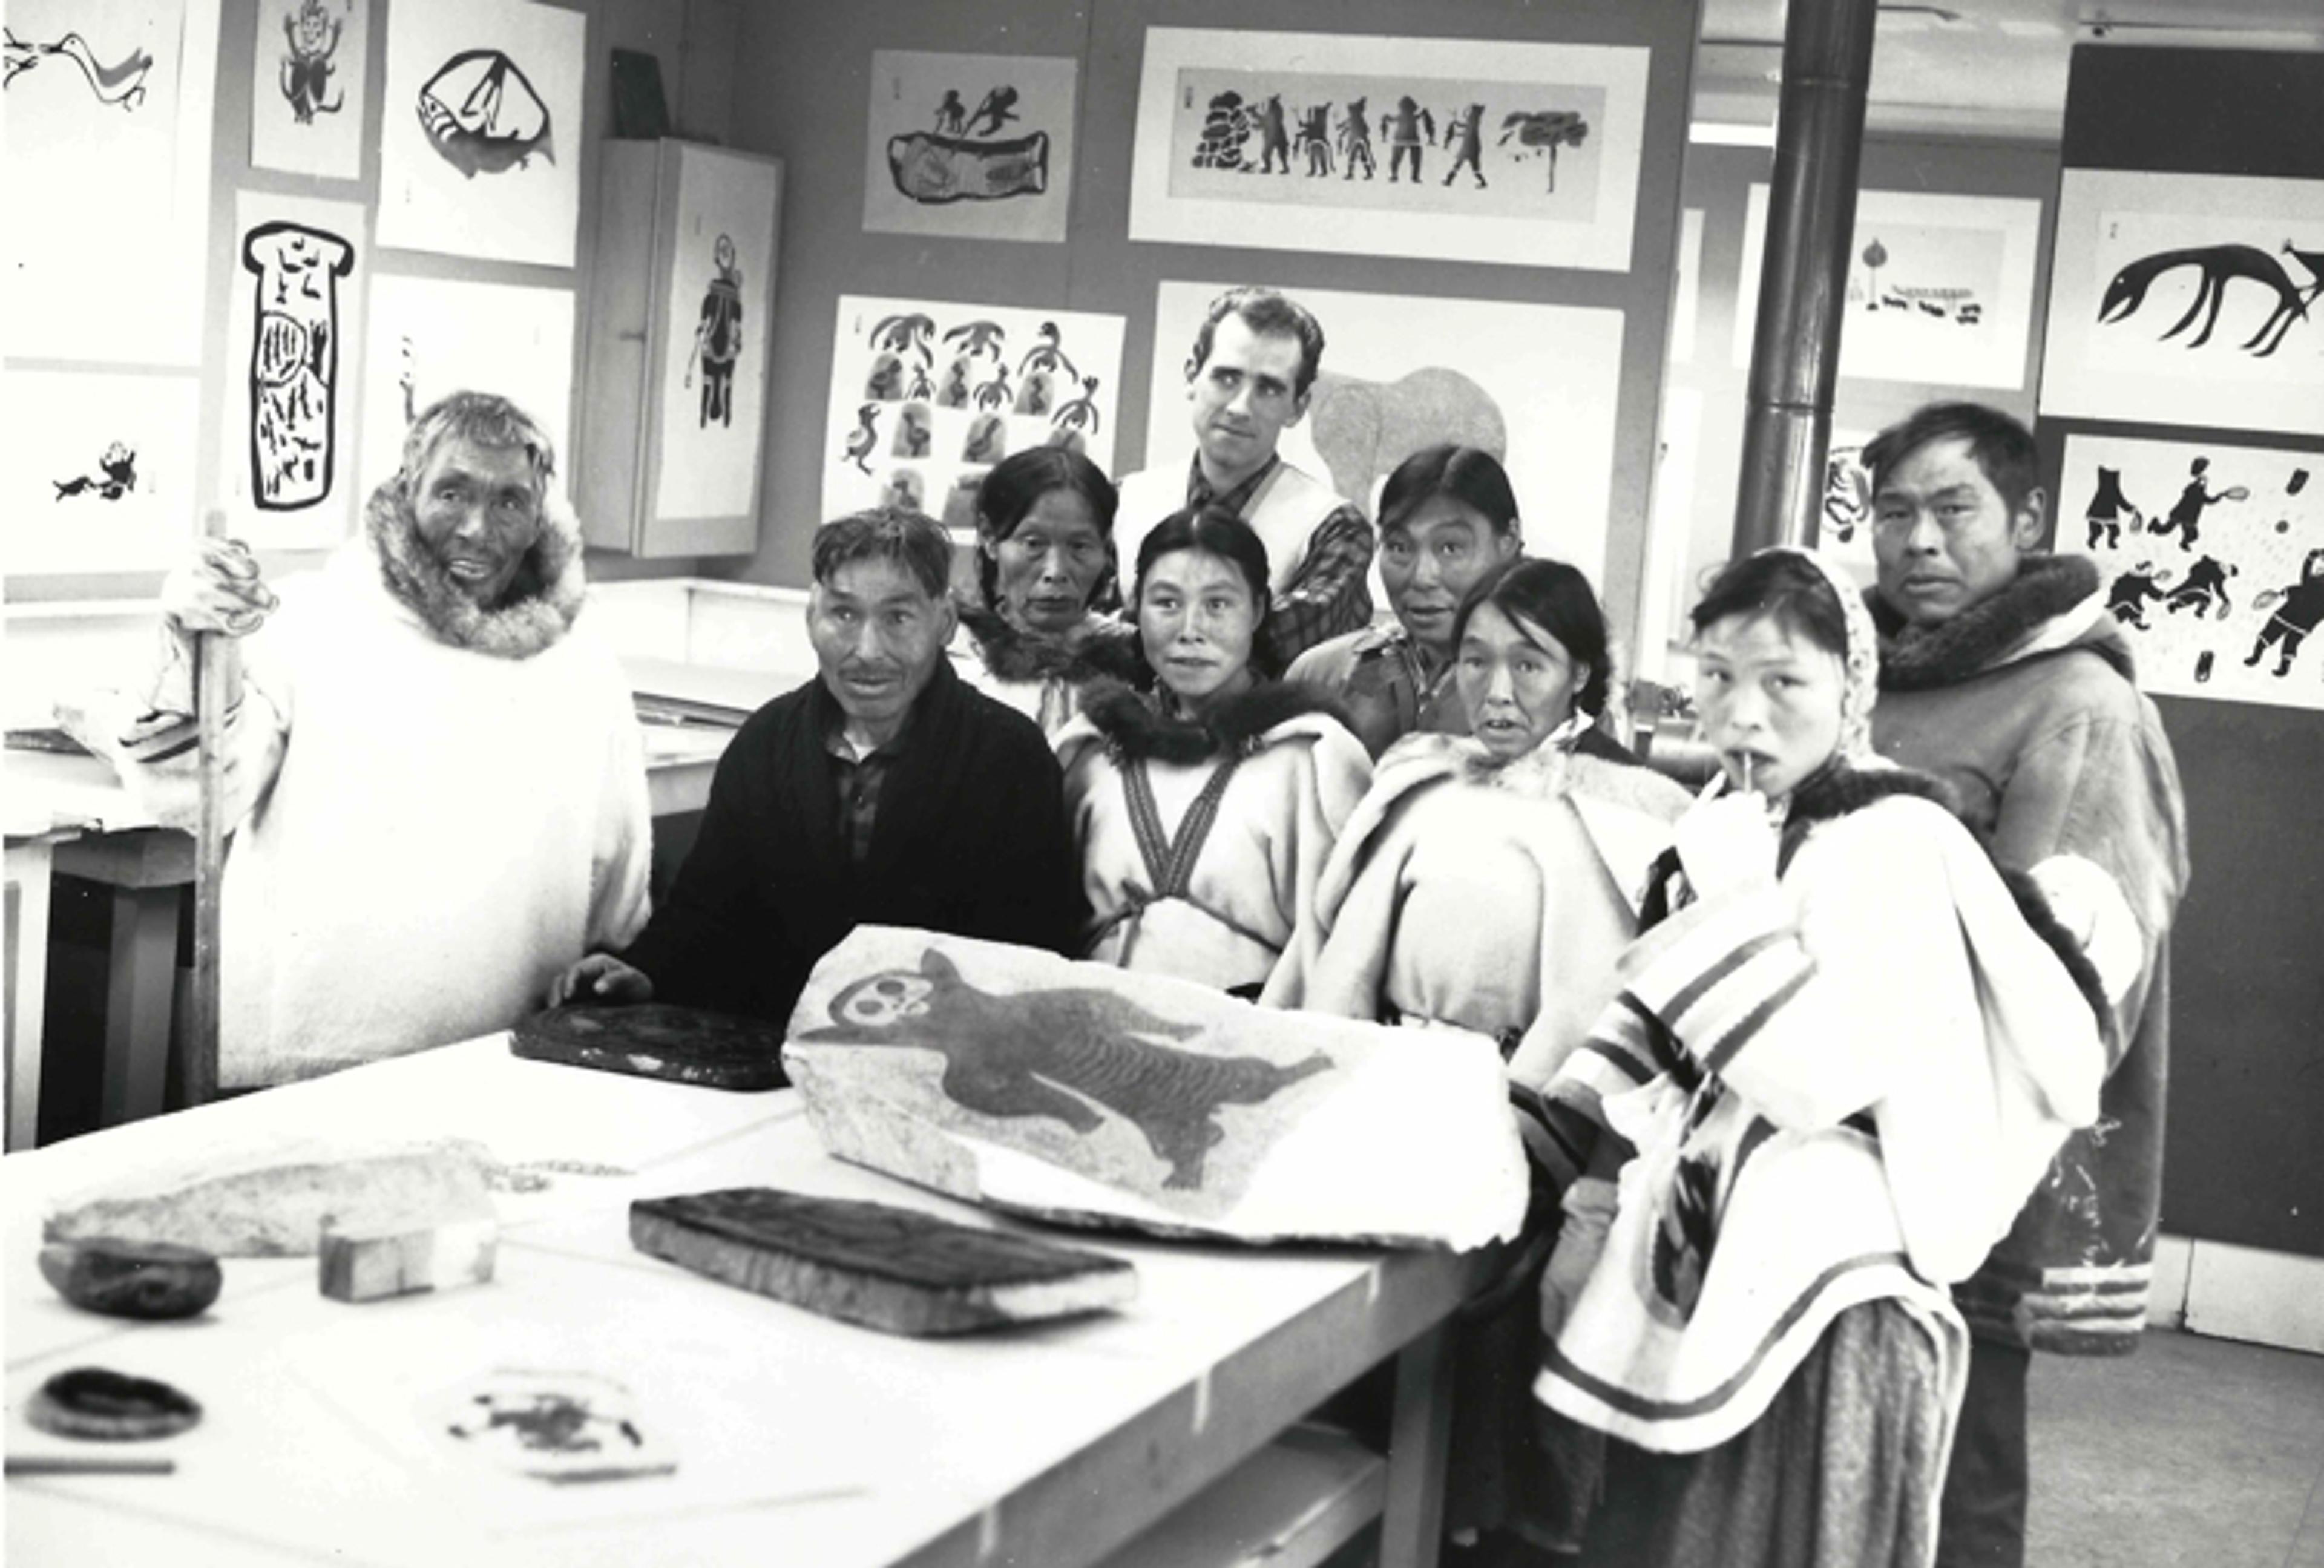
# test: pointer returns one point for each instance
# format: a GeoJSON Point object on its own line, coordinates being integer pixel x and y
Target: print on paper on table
{"type": "Point", "coordinates": [969, 145]}
{"type": "Point", "coordinates": [307, 107]}
{"type": "Point", "coordinates": [1482, 149]}
{"type": "Point", "coordinates": [2211, 559]}
{"type": "Point", "coordinates": [294, 362]}
{"type": "Point", "coordinates": [926, 397]}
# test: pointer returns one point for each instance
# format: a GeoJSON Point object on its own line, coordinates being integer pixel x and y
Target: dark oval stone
{"type": "Point", "coordinates": [105, 1406]}
{"type": "Point", "coordinates": [140, 1279]}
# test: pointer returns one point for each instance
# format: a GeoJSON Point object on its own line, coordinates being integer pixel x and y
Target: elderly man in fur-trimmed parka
{"type": "Point", "coordinates": [2001, 672]}
{"type": "Point", "coordinates": [434, 763]}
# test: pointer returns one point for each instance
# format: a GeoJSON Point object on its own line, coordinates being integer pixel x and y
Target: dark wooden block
{"type": "Point", "coordinates": [886, 1268]}
{"type": "Point", "coordinates": [682, 1045]}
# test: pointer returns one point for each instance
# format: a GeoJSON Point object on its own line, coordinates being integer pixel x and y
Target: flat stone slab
{"type": "Point", "coordinates": [875, 1264]}
{"type": "Point", "coordinates": [1089, 1094]}
{"type": "Point", "coordinates": [681, 1045]}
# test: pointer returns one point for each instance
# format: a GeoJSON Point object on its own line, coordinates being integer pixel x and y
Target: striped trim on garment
{"type": "Point", "coordinates": [1721, 973]}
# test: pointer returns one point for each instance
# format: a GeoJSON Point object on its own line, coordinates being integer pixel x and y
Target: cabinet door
{"type": "Point", "coordinates": [715, 272]}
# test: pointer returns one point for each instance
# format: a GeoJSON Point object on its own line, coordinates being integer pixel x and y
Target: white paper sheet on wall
{"type": "Point", "coordinates": [428, 337]}
{"type": "Point", "coordinates": [308, 84]}
{"type": "Point", "coordinates": [96, 471]}
{"type": "Point", "coordinates": [480, 140]}
{"type": "Point", "coordinates": [718, 335]}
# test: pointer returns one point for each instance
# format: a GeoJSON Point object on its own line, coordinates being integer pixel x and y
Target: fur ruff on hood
{"type": "Point", "coordinates": [1134, 727]}
{"type": "Point", "coordinates": [1917, 659]}
{"type": "Point", "coordinates": [543, 598]}
{"type": "Point", "coordinates": [1546, 773]}
{"type": "Point", "coordinates": [1838, 790]}
{"type": "Point", "coordinates": [1106, 650]}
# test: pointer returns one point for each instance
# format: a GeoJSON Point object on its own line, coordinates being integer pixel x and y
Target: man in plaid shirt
{"type": "Point", "coordinates": [1247, 380]}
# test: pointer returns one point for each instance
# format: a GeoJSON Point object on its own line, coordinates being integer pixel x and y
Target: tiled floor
{"type": "Point", "coordinates": [2193, 1452]}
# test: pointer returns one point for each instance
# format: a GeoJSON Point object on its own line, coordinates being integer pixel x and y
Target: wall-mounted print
{"type": "Point", "coordinates": [2211, 558]}
{"type": "Point", "coordinates": [480, 145]}
{"type": "Point", "coordinates": [1442, 149]}
{"type": "Point", "coordinates": [287, 471]}
{"type": "Point", "coordinates": [926, 396]}
{"type": "Point", "coordinates": [1940, 288]}
{"type": "Point", "coordinates": [2188, 300]}
{"type": "Point", "coordinates": [108, 109]}
{"type": "Point", "coordinates": [307, 86]}
{"type": "Point", "coordinates": [717, 337]}
{"type": "Point", "coordinates": [1844, 525]}
{"type": "Point", "coordinates": [1536, 384]}
{"type": "Point", "coordinates": [970, 146]}
{"type": "Point", "coordinates": [428, 337]}
{"type": "Point", "coordinates": [99, 471]}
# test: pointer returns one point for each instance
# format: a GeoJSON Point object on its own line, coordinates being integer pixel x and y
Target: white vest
{"type": "Point", "coordinates": [1285, 512]}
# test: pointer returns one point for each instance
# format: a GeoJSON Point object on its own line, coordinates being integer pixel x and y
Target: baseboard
{"type": "Point", "coordinates": [2243, 1293]}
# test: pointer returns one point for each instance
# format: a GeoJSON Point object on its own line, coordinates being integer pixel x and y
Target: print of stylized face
{"type": "Point", "coordinates": [1517, 680]}
{"type": "Point", "coordinates": [314, 28]}
{"type": "Point", "coordinates": [1197, 616]}
{"type": "Point", "coordinates": [1430, 561]}
{"type": "Point", "coordinates": [1769, 700]}
{"type": "Point", "coordinates": [1046, 568]}
{"type": "Point", "coordinates": [1243, 395]}
{"type": "Point", "coordinates": [878, 1002]}
{"type": "Point", "coordinates": [478, 510]}
{"type": "Point", "coordinates": [1944, 538]}
{"type": "Point", "coordinates": [722, 253]}
{"type": "Point", "coordinates": [877, 636]}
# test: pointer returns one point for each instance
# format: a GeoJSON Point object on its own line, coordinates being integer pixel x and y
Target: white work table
{"type": "Point", "coordinates": [799, 1440]}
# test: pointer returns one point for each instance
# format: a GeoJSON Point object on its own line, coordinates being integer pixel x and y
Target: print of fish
{"type": "Point", "coordinates": [474, 120]}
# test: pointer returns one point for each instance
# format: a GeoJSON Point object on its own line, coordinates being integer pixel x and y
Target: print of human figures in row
{"type": "Point", "coordinates": [2109, 508]}
{"type": "Point", "coordinates": [1232, 121]}
{"type": "Point", "coordinates": [718, 335]}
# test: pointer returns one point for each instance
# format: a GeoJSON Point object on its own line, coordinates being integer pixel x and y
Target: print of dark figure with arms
{"type": "Point", "coordinates": [719, 336]}
{"type": "Point", "coordinates": [310, 38]}
{"type": "Point", "coordinates": [1056, 1054]}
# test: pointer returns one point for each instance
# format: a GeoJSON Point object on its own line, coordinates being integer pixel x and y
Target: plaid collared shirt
{"type": "Point", "coordinates": [1327, 595]}
{"type": "Point", "coordinates": [858, 780]}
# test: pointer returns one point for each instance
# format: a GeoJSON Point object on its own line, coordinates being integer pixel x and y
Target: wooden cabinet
{"type": "Point", "coordinates": [674, 389]}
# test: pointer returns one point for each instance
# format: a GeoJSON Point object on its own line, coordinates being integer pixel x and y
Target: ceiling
{"type": "Point", "coordinates": [1982, 67]}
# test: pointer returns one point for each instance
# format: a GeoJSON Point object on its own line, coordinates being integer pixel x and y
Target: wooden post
{"type": "Point", "coordinates": [216, 683]}
{"type": "Point", "coordinates": [1803, 282]}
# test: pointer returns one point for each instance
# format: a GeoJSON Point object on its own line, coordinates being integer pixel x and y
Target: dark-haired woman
{"type": "Point", "coordinates": [1844, 1053]}
{"type": "Point", "coordinates": [1204, 814]}
{"type": "Point", "coordinates": [1044, 559]}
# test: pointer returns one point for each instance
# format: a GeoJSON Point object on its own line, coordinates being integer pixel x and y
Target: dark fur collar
{"type": "Point", "coordinates": [1134, 726]}
{"type": "Point", "coordinates": [542, 602]}
{"type": "Point", "coordinates": [1917, 659]}
{"type": "Point", "coordinates": [1839, 790]}
{"type": "Point", "coordinates": [1108, 647]}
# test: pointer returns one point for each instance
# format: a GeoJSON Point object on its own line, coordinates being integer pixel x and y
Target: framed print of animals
{"type": "Point", "coordinates": [98, 473]}
{"type": "Point", "coordinates": [1475, 149]}
{"type": "Point", "coordinates": [480, 140]}
{"type": "Point", "coordinates": [1534, 384]}
{"type": "Point", "coordinates": [2211, 556]}
{"type": "Point", "coordinates": [287, 473]}
{"type": "Point", "coordinates": [108, 118]}
{"type": "Point", "coordinates": [307, 80]}
{"type": "Point", "coordinates": [970, 146]}
{"type": "Point", "coordinates": [1940, 288]}
{"type": "Point", "coordinates": [427, 337]}
{"type": "Point", "coordinates": [926, 396]}
{"type": "Point", "coordinates": [2188, 300]}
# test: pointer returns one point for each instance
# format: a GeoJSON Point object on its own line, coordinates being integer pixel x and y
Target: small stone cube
{"type": "Point", "coordinates": [373, 1266]}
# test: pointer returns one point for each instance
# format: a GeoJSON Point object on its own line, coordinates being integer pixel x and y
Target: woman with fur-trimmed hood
{"type": "Point", "coordinates": [1034, 636]}
{"type": "Point", "coordinates": [1845, 1048]}
{"type": "Point", "coordinates": [1204, 814]}
{"type": "Point", "coordinates": [433, 769]}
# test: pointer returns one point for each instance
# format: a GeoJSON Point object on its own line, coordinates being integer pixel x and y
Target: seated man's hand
{"type": "Point", "coordinates": [600, 978]}
{"type": "Point", "coordinates": [220, 590]}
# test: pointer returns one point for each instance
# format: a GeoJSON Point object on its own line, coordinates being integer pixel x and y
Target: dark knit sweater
{"type": "Point", "coordinates": [971, 839]}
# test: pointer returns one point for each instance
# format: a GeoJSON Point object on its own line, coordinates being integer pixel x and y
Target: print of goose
{"type": "Point", "coordinates": [123, 84]}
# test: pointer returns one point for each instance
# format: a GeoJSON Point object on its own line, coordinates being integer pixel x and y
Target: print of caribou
{"type": "Point", "coordinates": [2220, 265]}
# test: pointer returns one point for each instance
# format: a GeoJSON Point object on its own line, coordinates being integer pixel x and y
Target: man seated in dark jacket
{"type": "Point", "coordinates": [885, 791]}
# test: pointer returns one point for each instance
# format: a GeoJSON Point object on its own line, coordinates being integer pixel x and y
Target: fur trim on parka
{"type": "Point", "coordinates": [1917, 658]}
{"type": "Point", "coordinates": [543, 598]}
{"type": "Point", "coordinates": [1107, 650]}
{"type": "Point", "coordinates": [1134, 727]}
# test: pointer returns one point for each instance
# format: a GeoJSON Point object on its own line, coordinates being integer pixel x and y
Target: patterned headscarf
{"type": "Point", "coordinates": [1860, 668]}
